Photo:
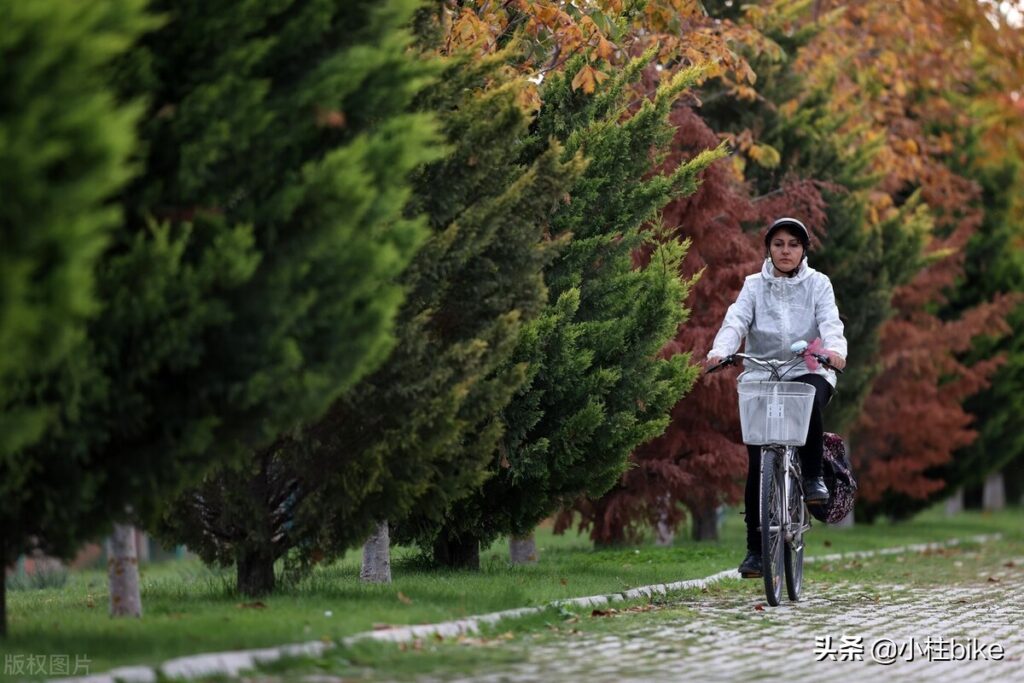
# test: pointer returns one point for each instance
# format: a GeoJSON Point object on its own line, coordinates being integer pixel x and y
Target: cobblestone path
{"type": "Point", "coordinates": [725, 637]}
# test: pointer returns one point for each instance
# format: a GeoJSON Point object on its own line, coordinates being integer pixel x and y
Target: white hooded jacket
{"type": "Point", "coordinates": [773, 312]}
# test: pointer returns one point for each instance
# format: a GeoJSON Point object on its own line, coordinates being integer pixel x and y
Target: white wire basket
{"type": "Point", "coordinates": [775, 412]}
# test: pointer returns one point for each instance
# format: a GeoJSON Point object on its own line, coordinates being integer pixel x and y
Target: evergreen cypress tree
{"type": "Point", "coordinates": [254, 279]}
{"type": "Point", "coordinates": [597, 386]}
{"type": "Point", "coordinates": [419, 431]}
{"type": "Point", "coordinates": [65, 141]}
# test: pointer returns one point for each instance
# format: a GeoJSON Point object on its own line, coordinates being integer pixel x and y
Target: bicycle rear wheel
{"type": "Point", "coordinates": [794, 552]}
{"type": "Point", "coordinates": [772, 532]}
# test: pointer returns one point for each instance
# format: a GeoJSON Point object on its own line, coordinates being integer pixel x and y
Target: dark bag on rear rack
{"type": "Point", "coordinates": [842, 486]}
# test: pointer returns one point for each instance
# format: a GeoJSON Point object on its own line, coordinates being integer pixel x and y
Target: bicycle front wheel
{"type": "Point", "coordinates": [772, 531]}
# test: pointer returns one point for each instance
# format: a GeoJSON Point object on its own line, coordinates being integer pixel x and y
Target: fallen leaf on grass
{"type": "Point", "coordinates": [1011, 563]}
{"type": "Point", "coordinates": [641, 608]}
{"type": "Point", "coordinates": [381, 627]}
{"type": "Point", "coordinates": [475, 640]}
{"type": "Point", "coordinates": [828, 543]}
{"type": "Point", "coordinates": [994, 579]}
{"type": "Point", "coordinates": [564, 582]}
{"type": "Point", "coordinates": [252, 605]}
{"type": "Point", "coordinates": [604, 612]}
{"type": "Point", "coordinates": [759, 607]}
{"type": "Point", "coordinates": [416, 645]}
{"type": "Point", "coordinates": [404, 599]}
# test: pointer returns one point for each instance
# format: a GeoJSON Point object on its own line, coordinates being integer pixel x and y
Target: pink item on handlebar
{"type": "Point", "coordinates": [815, 347]}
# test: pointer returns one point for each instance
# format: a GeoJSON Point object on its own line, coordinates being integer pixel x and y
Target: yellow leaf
{"type": "Point", "coordinates": [586, 79]}
{"type": "Point", "coordinates": [745, 92]}
{"type": "Point", "coordinates": [605, 49]}
{"type": "Point", "coordinates": [547, 14]}
{"type": "Point", "coordinates": [739, 167]}
{"type": "Point", "coordinates": [789, 107]}
{"type": "Point", "coordinates": [765, 156]}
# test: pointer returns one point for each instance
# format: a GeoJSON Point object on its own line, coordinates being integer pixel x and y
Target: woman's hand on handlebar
{"type": "Point", "coordinates": [713, 363]}
{"type": "Point", "coordinates": [835, 360]}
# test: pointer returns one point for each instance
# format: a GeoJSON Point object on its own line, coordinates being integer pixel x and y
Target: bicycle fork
{"type": "Point", "coordinates": [790, 479]}
{"type": "Point", "coordinates": [785, 468]}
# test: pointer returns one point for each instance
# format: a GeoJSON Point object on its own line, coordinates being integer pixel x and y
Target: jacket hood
{"type": "Point", "coordinates": [804, 272]}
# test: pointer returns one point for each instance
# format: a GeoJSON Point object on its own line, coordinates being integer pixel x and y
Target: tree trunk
{"type": "Point", "coordinates": [457, 553]}
{"type": "Point", "coordinates": [255, 573]}
{"type": "Point", "coordinates": [705, 523]}
{"type": "Point", "coordinates": [955, 503]}
{"type": "Point", "coordinates": [664, 533]}
{"type": "Point", "coordinates": [142, 546]}
{"type": "Point", "coordinates": [123, 573]}
{"type": "Point", "coordinates": [1013, 477]}
{"type": "Point", "coordinates": [522, 549]}
{"type": "Point", "coordinates": [994, 496]}
{"type": "Point", "coordinates": [377, 556]}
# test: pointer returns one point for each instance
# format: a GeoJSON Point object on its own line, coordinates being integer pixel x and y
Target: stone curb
{"type": "Point", "coordinates": [232, 663]}
{"type": "Point", "coordinates": [913, 547]}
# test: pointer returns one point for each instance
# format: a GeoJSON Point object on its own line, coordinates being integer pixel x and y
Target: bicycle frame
{"type": "Point", "coordinates": [792, 530]}
{"type": "Point", "coordinates": [790, 463]}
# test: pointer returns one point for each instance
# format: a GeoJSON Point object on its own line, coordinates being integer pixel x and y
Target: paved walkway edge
{"type": "Point", "coordinates": [233, 663]}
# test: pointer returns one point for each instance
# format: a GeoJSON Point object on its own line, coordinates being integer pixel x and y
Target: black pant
{"type": "Point", "coordinates": [810, 458]}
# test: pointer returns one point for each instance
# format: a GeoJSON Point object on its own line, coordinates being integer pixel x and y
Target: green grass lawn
{"type": "Point", "coordinates": [190, 608]}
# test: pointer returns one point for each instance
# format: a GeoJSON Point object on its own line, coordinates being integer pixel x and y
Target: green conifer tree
{"type": "Point", "coordinates": [255, 276]}
{"type": "Point", "coordinates": [65, 142]}
{"type": "Point", "coordinates": [597, 386]}
{"type": "Point", "coordinates": [419, 431]}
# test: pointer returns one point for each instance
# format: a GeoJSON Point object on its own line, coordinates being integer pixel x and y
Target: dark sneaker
{"type": "Point", "coordinates": [751, 566]}
{"type": "Point", "coordinates": [815, 491]}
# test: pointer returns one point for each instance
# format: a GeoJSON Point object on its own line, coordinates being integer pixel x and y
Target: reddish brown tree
{"type": "Point", "coordinates": [914, 420]}
{"type": "Point", "coordinates": [928, 65]}
{"type": "Point", "coordinates": [700, 460]}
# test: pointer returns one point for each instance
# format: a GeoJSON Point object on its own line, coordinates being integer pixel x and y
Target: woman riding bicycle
{"type": "Point", "coordinates": [788, 301]}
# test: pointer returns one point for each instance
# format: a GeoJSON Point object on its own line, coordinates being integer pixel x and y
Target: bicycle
{"type": "Point", "coordinates": [775, 415]}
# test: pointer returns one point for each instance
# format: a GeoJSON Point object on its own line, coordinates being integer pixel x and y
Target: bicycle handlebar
{"type": "Point", "coordinates": [770, 364]}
